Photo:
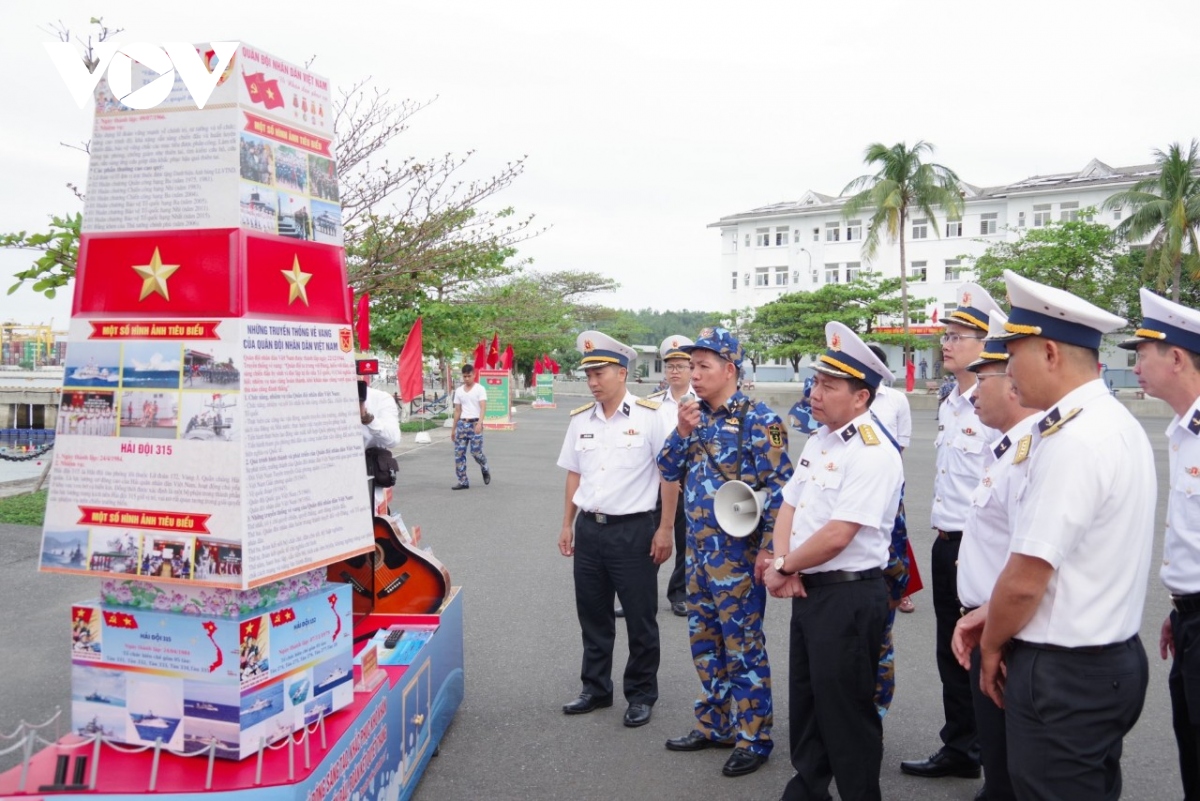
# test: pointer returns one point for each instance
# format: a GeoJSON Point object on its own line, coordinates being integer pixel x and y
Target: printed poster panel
{"type": "Point", "coordinates": [498, 414]}
{"type": "Point", "coordinates": [218, 452]}
{"type": "Point", "coordinates": [545, 392]}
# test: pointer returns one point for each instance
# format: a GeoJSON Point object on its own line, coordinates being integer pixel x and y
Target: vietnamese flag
{"type": "Point", "coordinates": [250, 629]}
{"type": "Point", "coordinates": [283, 616]}
{"type": "Point", "coordinates": [537, 369]}
{"type": "Point", "coordinates": [410, 373]}
{"type": "Point", "coordinates": [935, 311]}
{"type": "Point", "coordinates": [274, 97]}
{"type": "Point", "coordinates": [83, 614]}
{"type": "Point", "coordinates": [553, 366]}
{"type": "Point", "coordinates": [480, 359]}
{"type": "Point", "coordinates": [290, 278]}
{"type": "Point", "coordinates": [363, 325]}
{"type": "Point", "coordinates": [507, 359]}
{"type": "Point", "coordinates": [120, 620]}
{"type": "Point", "coordinates": [493, 356]}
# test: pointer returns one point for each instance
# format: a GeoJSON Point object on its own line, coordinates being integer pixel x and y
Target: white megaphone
{"type": "Point", "coordinates": [738, 506]}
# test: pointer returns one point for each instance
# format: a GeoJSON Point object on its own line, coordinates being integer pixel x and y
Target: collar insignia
{"type": "Point", "coordinates": [1002, 447]}
{"type": "Point", "coordinates": [625, 409]}
{"type": "Point", "coordinates": [848, 433]}
{"type": "Point", "coordinates": [1054, 421]}
{"type": "Point", "coordinates": [1194, 423]}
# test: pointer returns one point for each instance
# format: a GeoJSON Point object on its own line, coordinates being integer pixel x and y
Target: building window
{"type": "Point", "coordinates": [762, 276]}
{"type": "Point", "coordinates": [1041, 215]}
{"type": "Point", "coordinates": [816, 275]}
{"type": "Point", "coordinates": [1068, 212]}
{"type": "Point", "coordinates": [831, 273]}
{"type": "Point", "coordinates": [833, 232]}
{"type": "Point", "coordinates": [796, 236]}
{"type": "Point", "coordinates": [917, 273]}
{"type": "Point", "coordinates": [781, 276]}
{"type": "Point", "coordinates": [920, 228]}
{"type": "Point", "coordinates": [735, 282]}
{"type": "Point", "coordinates": [816, 234]}
{"type": "Point", "coordinates": [1117, 213]}
{"type": "Point", "coordinates": [987, 223]}
{"type": "Point", "coordinates": [954, 227]}
{"type": "Point", "coordinates": [781, 236]}
{"type": "Point", "coordinates": [947, 308]}
{"type": "Point", "coordinates": [762, 237]}
{"type": "Point", "coordinates": [747, 240]}
{"type": "Point", "coordinates": [745, 279]}
{"type": "Point", "coordinates": [954, 270]}
{"type": "Point", "coordinates": [1020, 219]}
{"type": "Point", "coordinates": [853, 268]}
{"type": "Point", "coordinates": [853, 230]}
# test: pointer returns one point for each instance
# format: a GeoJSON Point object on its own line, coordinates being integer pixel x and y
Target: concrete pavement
{"type": "Point", "coordinates": [510, 739]}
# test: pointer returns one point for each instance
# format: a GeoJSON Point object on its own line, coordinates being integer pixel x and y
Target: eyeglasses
{"type": "Point", "coordinates": [677, 367]}
{"type": "Point", "coordinates": [952, 339]}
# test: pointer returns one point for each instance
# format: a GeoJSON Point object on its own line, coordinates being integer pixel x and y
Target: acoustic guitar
{"type": "Point", "coordinates": [395, 578]}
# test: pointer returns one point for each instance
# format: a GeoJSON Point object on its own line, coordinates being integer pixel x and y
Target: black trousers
{"type": "Point", "coordinates": [1067, 714]}
{"type": "Point", "coordinates": [616, 558]}
{"type": "Point", "coordinates": [677, 585]}
{"type": "Point", "coordinates": [836, 731]}
{"type": "Point", "coordinates": [1184, 684]}
{"type": "Point", "coordinates": [993, 743]}
{"type": "Point", "coordinates": [958, 733]}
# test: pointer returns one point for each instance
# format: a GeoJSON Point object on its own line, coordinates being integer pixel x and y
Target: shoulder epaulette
{"type": "Point", "coordinates": [649, 404]}
{"type": "Point", "coordinates": [1054, 421]}
{"type": "Point", "coordinates": [1023, 446]}
{"type": "Point", "coordinates": [869, 437]}
{"type": "Point", "coordinates": [582, 408]}
{"type": "Point", "coordinates": [654, 395]}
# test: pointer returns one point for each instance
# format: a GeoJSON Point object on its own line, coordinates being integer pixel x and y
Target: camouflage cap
{"type": "Point", "coordinates": [721, 342]}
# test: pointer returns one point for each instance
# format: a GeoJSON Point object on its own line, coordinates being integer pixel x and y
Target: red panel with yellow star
{"type": "Point", "coordinates": [213, 273]}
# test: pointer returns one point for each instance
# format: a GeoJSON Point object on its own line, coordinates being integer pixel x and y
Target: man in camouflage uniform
{"type": "Point", "coordinates": [727, 437]}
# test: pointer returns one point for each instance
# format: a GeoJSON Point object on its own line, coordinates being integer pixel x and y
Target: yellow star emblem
{"type": "Point", "coordinates": [154, 276]}
{"type": "Point", "coordinates": [296, 281]}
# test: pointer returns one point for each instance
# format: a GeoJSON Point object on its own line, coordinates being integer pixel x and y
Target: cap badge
{"type": "Point", "coordinates": [705, 333]}
{"type": "Point", "coordinates": [674, 343]}
{"type": "Point", "coordinates": [966, 299]}
{"type": "Point", "coordinates": [835, 342]}
{"type": "Point", "coordinates": [588, 346]}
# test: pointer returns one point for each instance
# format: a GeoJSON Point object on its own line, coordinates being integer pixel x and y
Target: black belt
{"type": "Point", "coordinates": [839, 576]}
{"type": "Point", "coordinates": [1186, 604]}
{"type": "Point", "coordinates": [1078, 649]}
{"type": "Point", "coordinates": [963, 611]}
{"type": "Point", "coordinates": [952, 536]}
{"type": "Point", "coordinates": [608, 520]}
{"type": "Point", "coordinates": [468, 419]}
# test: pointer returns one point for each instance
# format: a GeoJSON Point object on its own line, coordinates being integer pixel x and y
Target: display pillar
{"type": "Point", "coordinates": [498, 414]}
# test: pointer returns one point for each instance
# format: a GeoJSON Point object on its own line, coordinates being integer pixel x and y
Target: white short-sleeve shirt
{"type": "Point", "coordinates": [988, 530]}
{"type": "Point", "coordinates": [961, 443]}
{"type": "Point", "coordinates": [615, 457]}
{"type": "Point", "coordinates": [841, 477]}
{"type": "Point", "coordinates": [1087, 508]}
{"type": "Point", "coordinates": [893, 411]}
{"type": "Point", "coordinates": [1180, 570]}
{"type": "Point", "coordinates": [470, 400]}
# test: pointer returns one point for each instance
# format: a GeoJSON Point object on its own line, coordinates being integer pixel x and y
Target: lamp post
{"type": "Point", "coordinates": [806, 253]}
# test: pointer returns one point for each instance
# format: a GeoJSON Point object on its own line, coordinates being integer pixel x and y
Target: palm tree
{"type": "Point", "coordinates": [903, 182]}
{"type": "Point", "coordinates": [1167, 205]}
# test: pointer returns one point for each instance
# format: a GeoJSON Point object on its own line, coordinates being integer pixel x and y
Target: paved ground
{"type": "Point", "coordinates": [510, 741]}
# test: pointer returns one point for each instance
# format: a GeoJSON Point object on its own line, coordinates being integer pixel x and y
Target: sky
{"type": "Point", "coordinates": [644, 122]}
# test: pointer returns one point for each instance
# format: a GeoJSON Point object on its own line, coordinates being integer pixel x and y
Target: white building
{"type": "Point", "coordinates": [800, 245]}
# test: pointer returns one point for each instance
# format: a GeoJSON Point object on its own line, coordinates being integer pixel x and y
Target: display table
{"type": "Point", "coordinates": [374, 749]}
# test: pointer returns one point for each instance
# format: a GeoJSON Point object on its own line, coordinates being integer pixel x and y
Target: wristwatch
{"type": "Point", "coordinates": [778, 565]}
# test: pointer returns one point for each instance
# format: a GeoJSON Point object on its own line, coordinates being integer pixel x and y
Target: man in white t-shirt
{"type": "Point", "coordinates": [470, 403]}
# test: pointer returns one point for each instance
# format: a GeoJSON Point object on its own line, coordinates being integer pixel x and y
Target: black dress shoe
{"type": "Point", "coordinates": [461, 486]}
{"type": "Point", "coordinates": [695, 741]}
{"type": "Point", "coordinates": [487, 477]}
{"type": "Point", "coordinates": [943, 763]}
{"type": "Point", "coordinates": [637, 715]}
{"type": "Point", "coordinates": [586, 702]}
{"type": "Point", "coordinates": [679, 608]}
{"type": "Point", "coordinates": [742, 762]}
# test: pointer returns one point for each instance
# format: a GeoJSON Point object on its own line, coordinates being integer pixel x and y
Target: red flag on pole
{"type": "Point", "coordinates": [363, 326]}
{"type": "Point", "coordinates": [493, 356]}
{"type": "Point", "coordinates": [480, 359]}
{"type": "Point", "coordinates": [554, 366]}
{"type": "Point", "coordinates": [934, 319]}
{"type": "Point", "coordinates": [410, 373]}
{"type": "Point", "coordinates": [537, 369]}
{"type": "Point", "coordinates": [507, 359]}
